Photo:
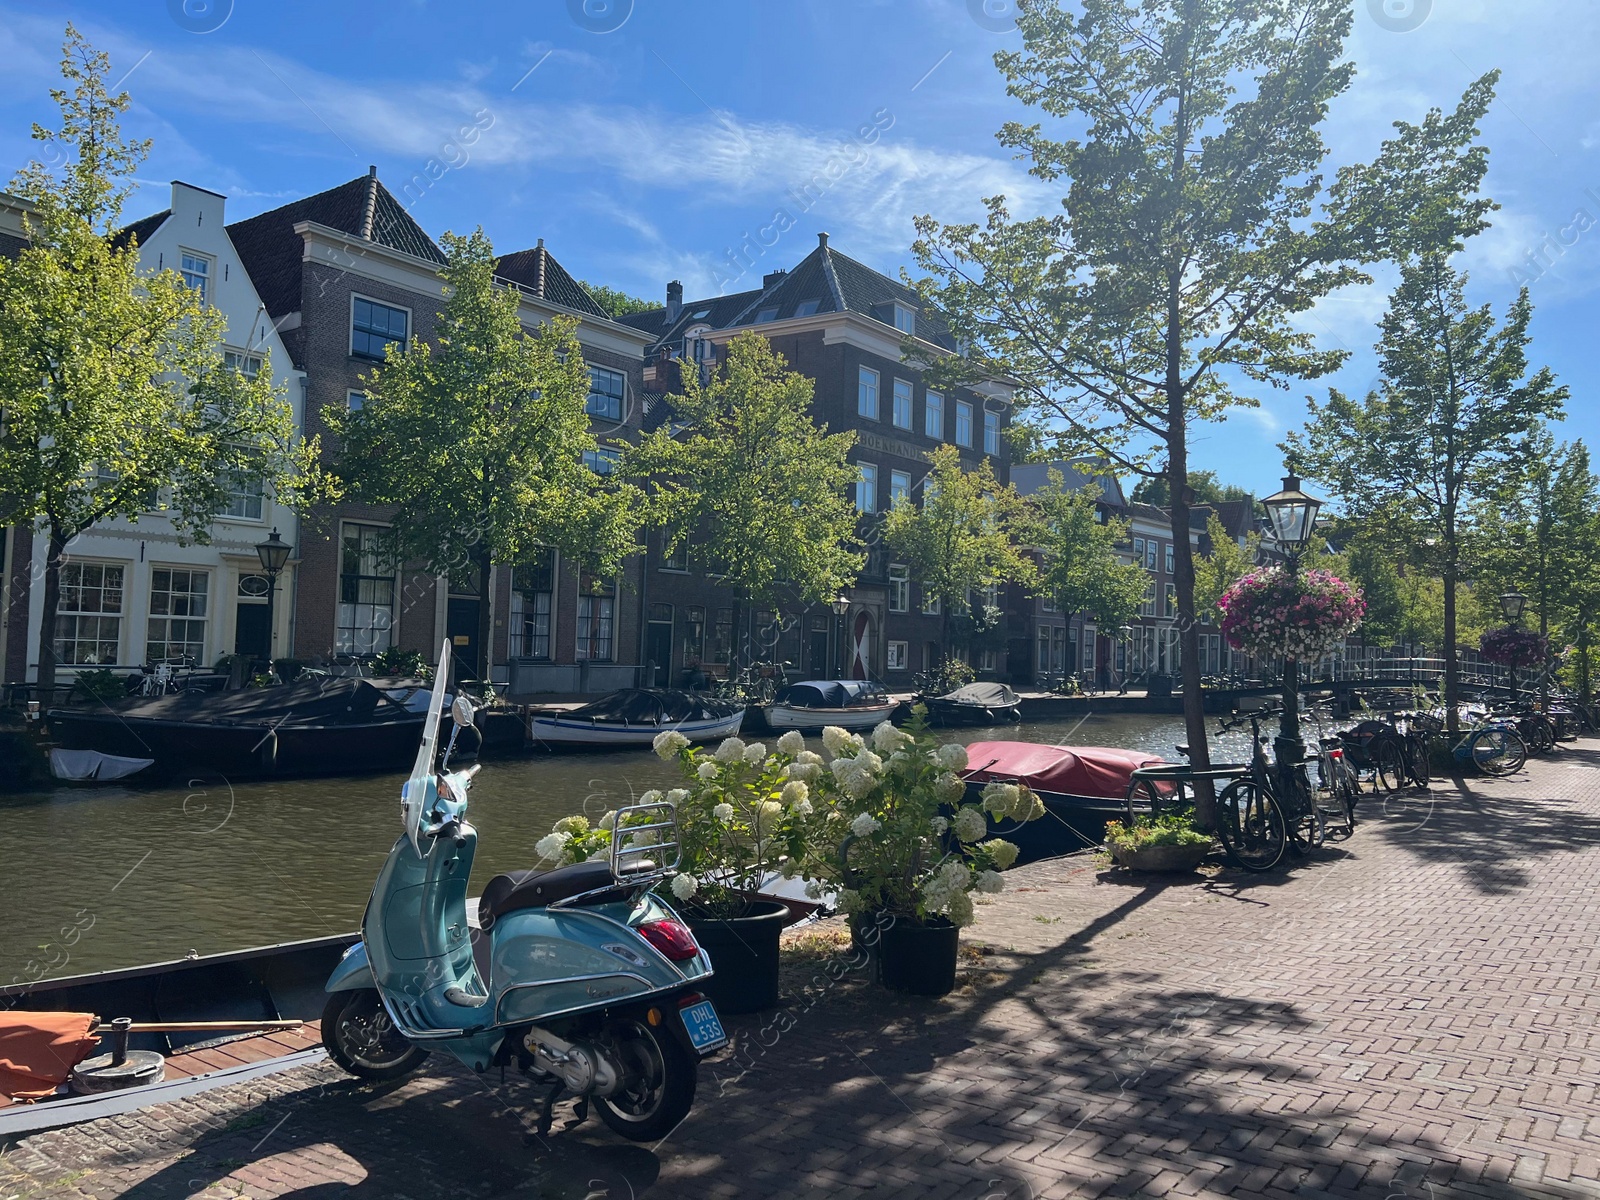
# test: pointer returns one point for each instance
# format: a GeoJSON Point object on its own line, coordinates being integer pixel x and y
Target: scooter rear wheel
{"type": "Point", "coordinates": [658, 1081]}
{"type": "Point", "coordinates": [358, 1035]}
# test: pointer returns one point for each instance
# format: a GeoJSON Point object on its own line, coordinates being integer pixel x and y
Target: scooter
{"type": "Point", "coordinates": [582, 977]}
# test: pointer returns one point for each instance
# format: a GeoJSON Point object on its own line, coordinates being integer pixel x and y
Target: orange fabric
{"type": "Point", "coordinates": [39, 1049]}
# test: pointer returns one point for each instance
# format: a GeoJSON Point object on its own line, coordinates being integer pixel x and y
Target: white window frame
{"type": "Point", "coordinates": [867, 386]}
{"type": "Point", "coordinates": [991, 432]}
{"type": "Point", "coordinates": [207, 276]}
{"type": "Point", "coordinates": [905, 319]}
{"type": "Point", "coordinates": [903, 390]}
{"type": "Point", "coordinates": [897, 656]}
{"type": "Point", "coordinates": [1090, 647]}
{"type": "Point", "coordinates": [240, 496]}
{"type": "Point", "coordinates": [933, 415]}
{"type": "Point", "coordinates": [964, 409]}
{"type": "Point", "coordinates": [867, 488]}
{"type": "Point", "coordinates": [1168, 557]}
{"type": "Point", "coordinates": [203, 618]}
{"type": "Point", "coordinates": [1151, 549]}
{"type": "Point", "coordinates": [354, 400]}
{"type": "Point", "coordinates": [932, 606]}
{"type": "Point", "coordinates": [520, 615]}
{"type": "Point", "coordinates": [899, 485]}
{"type": "Point", "coordinates": [899, 588]}
{"type": "Point", "coordinates": [247, 364]}
{"type": "Point", "coordinates": [605, 622]}
{"type": "Point", "coordinates": [411, 324]}
{"type": "Point", "coordinates": [372, 627]}
{"type": "Point", "coordinates": [118, 616]}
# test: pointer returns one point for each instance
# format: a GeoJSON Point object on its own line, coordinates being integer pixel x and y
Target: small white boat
{"type": "Point", "coordinates": [818, 703]}
{"type": "Point", "coordinates": [635, 716]}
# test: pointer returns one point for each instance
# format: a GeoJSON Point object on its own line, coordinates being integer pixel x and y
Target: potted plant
{"type": "Point", "coordinates": [1169, 842]}
{"type": "Point", "coordinates": [743, 818]}
{"type": "Point", "coordinates": [1298, 616]}
{"type": "Point", "coordinates": [894, 831]}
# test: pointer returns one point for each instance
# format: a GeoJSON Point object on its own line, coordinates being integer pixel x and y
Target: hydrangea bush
{"type": "Point", "coordinates": [1513, 647]}
{"type": "Point", "coordinates": [1300, 617]}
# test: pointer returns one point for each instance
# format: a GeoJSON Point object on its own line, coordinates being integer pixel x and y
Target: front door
{"type": "Point", "coordinates": [461, 627]}
{"type": "Point", "coordinates": [250, 631]}
{"type": "Point", "coordinates": [817, 660]}
{"type": "Point", "coordinates": [658, 652]}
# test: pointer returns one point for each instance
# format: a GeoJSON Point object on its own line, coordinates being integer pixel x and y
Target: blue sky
{"type": "Point", "coordinates": [646, 152]}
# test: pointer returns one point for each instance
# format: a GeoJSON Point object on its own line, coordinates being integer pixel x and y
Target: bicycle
{"type": "Point", "coordinates": [1493, 746]}
{"type": "Point", "coordinates": [1249, 825]}
{"type": "Point", "coordinates": [1286, 784]}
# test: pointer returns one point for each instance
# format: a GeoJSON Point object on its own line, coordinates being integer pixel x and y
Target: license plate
{"type": "Point", "coordinates": [705, 1030]}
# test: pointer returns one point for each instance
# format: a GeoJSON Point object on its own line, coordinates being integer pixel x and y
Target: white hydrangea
{"type": "Point", "coordinates": [949, 788]}
{"type": "Point", "coordinates": [952, 756]}
{"type": "Point", "coordinates": [575, 824]}
{"type": "Point", "coordinates": [857, 784]}
{"type": "Point", "coordinates": [990, 882]}
{"type": "Point", "coordinates": [677, 795]}
{"type": "Point", "coordinates": [805, 772]}
{"type": "Point", "coordinates": [754, 753]}
{"type": "Point", "coordinates": [794, 791]}
{"type": "Point", "coordinates": [813, 890]}
{"type": "Point", "coordinates": [684, 886]}
{"type": "Point", "coordinates": [793, 742]}
{"type": "Point", "coordinates": [886, 738]}
{"type": "Point", "coordinates": [866, 760]}
{"type": "Point", "coordinates": [939, 825]}
{"type": "Point", "coordinates": [707, 770]}
{"type": "Point", "coordinates": [960, 909]}
{"type": "Point", "coordinates": [864, 824]}
{"type": "Point", "coordinates": [834, 740]}
{"type": "Point", "coordinates": [723, 812]}
{"type": "Point", "coordinates": [848, 901]}
{"type": "Point", "coordinates": [1000, 798]}
{"type": "Point", "coordinates": [807, 758]}
{"type": "Point", "coordinates": [803, 807]}
{"type": "Point", "coordinates": [552, 845]}
{"type": "Point", "coordinates": [768, 814]}
{"type": "Point", "coordinates": [669, 742]}
{"type": "Point", "coordinates": [609, 821]}
{"type": "Point", "coordinates": [1001, 852]}
{"type": "Point", "coordinates": [653, 796]}
{"type": "Point", "coordinates": [730, 749]}
{"type": "Point", "coordinates": [970, 824]}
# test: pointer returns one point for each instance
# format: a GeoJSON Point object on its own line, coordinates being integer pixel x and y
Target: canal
{"type": "Point", "coordinates": [96, 878]}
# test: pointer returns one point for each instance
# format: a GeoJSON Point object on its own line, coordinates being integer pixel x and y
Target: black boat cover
{"type": "Point", "coordinates": [318, 701]}
{"type": "Point", "coordinates": [982, 695]}
{"type": "Point", "coordinates": [653, 706]}
{"type": "Point", "coordinates": [832, 693]}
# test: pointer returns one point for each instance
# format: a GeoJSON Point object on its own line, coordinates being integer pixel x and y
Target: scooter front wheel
{"type": "Point", "coordinates": [358, 1035]}
{"type": "Point", "coordinates": [658, 1081]}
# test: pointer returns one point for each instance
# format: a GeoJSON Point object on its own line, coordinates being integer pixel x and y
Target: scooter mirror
{"type": "Point", "coordinates": [461, 711]}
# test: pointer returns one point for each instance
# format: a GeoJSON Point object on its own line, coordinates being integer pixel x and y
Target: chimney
{"type": "Point", "coordinates": [822, 241]}
{"type": "Point", "coordinates": [674, 300]}
{"type": "Point", "coordinates": [772, 277]}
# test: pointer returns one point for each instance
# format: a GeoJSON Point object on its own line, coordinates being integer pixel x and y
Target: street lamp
{"type": "Point", "coordinates": [1511, 606]}
{"type": "Point", "coordinates": [1293, 516]}
{"type": "Point", "coordinates": [274, 555]}
{"type": "Point", "coordinates": [841, 605]}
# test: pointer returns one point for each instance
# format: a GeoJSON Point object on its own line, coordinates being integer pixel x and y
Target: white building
{"type": "Point", "coordinates": [131, 594]}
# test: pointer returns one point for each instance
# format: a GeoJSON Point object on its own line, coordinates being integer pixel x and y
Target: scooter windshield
{"type": "Point", "coordinates": [418, 791]}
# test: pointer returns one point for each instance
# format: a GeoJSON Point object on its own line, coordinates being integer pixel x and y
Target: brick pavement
{"type": "Point", "coordinates": [1411, 1014]}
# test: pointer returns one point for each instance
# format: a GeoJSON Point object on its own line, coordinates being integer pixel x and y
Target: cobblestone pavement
{"type": "Point", "coordinates": [1413, 1013]}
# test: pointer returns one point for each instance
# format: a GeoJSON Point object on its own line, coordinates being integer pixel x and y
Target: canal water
{"type": "Point", "coordinates": [95, 878]}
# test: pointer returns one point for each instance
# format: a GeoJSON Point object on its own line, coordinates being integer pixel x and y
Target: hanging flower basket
{"type": "Point", "coordinates": [1513, 647]}
{"type": "Point", "coordinates": [1303, 617]}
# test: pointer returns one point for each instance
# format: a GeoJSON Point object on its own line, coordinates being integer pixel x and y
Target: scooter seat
{"type": "Point", "coordinates": [516, 890]}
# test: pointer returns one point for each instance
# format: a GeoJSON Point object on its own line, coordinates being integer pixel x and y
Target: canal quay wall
{"type": "Point", "coordinates": [1413, 1013]}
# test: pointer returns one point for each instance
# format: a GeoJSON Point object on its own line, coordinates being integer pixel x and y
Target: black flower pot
{"type": "Point", "coordinates": [918, 959]}
{"type": "Point", "coordinates": [744, 955]}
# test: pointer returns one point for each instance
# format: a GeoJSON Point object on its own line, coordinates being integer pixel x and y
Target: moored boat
{"type": "Point", "coordinates": [1082, 788]}
{"type": "Point", "coordinates": [634, 716]}
{"type": "Point", "coordinates": [818, 703]}
{"type": "Point", "coordinates": [974, 704]}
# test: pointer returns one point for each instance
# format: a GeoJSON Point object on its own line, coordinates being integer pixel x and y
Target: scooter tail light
{"type": "Point", "coordinates": [670, 937]}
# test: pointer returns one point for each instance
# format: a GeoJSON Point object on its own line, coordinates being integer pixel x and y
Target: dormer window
{"type": "Point", "coordinates": [905, 320]}
{"type": "Point", "coordinates": [765, 315]}
{"type": "Point", "coordinates": [807, 308]}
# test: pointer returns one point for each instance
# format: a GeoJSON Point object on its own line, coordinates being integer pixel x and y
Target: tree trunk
{"type": "Point", "coordinates": [57, 547]}
{"type": "Point", "coordinates": [484, 566]}
{"type": "Point", "coordinates": [1452, 665]}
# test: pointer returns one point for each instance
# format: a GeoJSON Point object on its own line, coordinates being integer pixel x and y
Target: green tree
{"type": "Point", "coordinates": [114, 400]}
{"type": "Point", "coordinates": [1204, 485]}
{"type": "Point", "coordinates": [1373, 570]}
{"type": "Point", "coordinates": [479, 444]}
{"type": "Point", "coordinates": [1197, 224]}
{"type": "Point", "coordinates": [617, 303]}
{"type": "Point", "coordinates": [963, 538]}
{"type": "Point", "coordinates": [756, 486]}
{"type": "Point", "coordinates": [1214, 573]}
{"type": "Point", "coordinates": [1080, 569]}
{"type": "Point", "coordinates": [1452, 415]}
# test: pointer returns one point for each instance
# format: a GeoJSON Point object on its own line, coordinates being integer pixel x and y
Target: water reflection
{"type": "Point", "coordinates": [140, 875]}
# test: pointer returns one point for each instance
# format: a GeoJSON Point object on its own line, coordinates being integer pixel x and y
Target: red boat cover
{"type": "Point", "coordinates": [39, 1049]}
{"type": "Point", "coordinates": [1100, 771]}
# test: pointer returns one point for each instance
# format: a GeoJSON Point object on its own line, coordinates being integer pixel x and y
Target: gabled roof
{"type": "Point", "coordinates": [272, 252]}
{"type": "Point", "coordinates": [538, 272]}
{"type": "Point", "coordinates": [142, 229]}
{"type": "Point", "coordinates": [719, 312]}
{"type": "Point", "coordinates": [1028, 478]}
{"type": "Point", "coordinates": [1238, 517]}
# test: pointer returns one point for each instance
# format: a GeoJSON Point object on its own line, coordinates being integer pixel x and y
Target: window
{"type": "Point", "coordinates": [246, 495]}
{"type": "Point", "coordinates": [605, 394]}
{"type": "Point", "coordinates": [902, 403]}
{"type": "Point", "coordinates": [532, 587]}
{"type": "Point", "coordinates": [897, 656]}
{"type": "Point", "coordinates": [988, 660]}
{"type": "Point", "coordinates": [356, 401]}
{"type": "Point", "coordinates": [1169, 557]}
{"type": "Point", "coordinates": [602, 460]}
{"type": "Point", "coordinates": [674, 558]}
{"type": "Point", "coordinates": [1138, 550]}
{"type": "Point", "coordinates": [1150, 554]}
{"type": "Point", "coordinates": [1147, 606]}
{"type": "Point", "coordinates": [867, 393]}
{"type": "Point", "coordinates": [991, 432]}
{"type": "Point", "coordinates": [1090, 638]}
{"type": "Point", "coordinates": [905, 319]}
{"type": "Point", "coordinates": [694, 635]}
{"type": "Point", "coordinates": [248, 365]}
{"type": "Point", "coordinates": [899, 487]}
{"type": "Point", "coordinates": [963, 423]}
{"type": "Point", "coordinates": [933, 417]}
{"type": "Point", "coordinates": [765, 315]}
{"type": "Point", "coordinates": [89, 616]}
{"type": "Point", "coordinates": [1047, 603]}
{"type": "Point", "coordinates": [867, 488]}
{"type": "Point", "coordinates": [899, 588]}
{"type": "Point", "coordinates": [1170, 608]}
{"type": "Point", "coordinates": [807, 308]}
{"type": "Point", "coordinates": [177, 628]}
{"type": "Point", "coordinates": [930, 603]}
{"type": "Point", "coordinates": [597, 613]}
{"type": "Point", "coordinates": [366, 593]}
{"type": "Point", "coordinates": [196, 272]}
{"type": "Point", "coordinates": [374, 326]}
{"type": "Point", "coordinates": [722, 637]}
{"type": "Point", "coordinates": [1044, 650]}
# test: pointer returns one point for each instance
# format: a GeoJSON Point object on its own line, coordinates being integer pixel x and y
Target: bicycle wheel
{"type": "Point", "coordinates": [1544, 735]}
{"type": "Point", "coordinates": [1418, 765]}
{"type": "Point", "coordinates": [1389, 767]}
{"type": "Point", "coordinates": [1251, 826]}
{"type": "Point", "coordinates": [1498, 751]}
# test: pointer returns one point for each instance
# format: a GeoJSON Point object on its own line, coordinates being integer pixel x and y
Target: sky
{"type": "Point", "coordinates": [645, 141]}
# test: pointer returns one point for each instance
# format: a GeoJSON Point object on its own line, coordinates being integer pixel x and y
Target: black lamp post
{"type": "Point", "coordinates": [841, 606]}
{"type": "Point", "coordinates": [274, 554]}
{"type": "Point", "coordinates": [1511, 606]}
{"type": "Point", "coordinates": [1293, 515]}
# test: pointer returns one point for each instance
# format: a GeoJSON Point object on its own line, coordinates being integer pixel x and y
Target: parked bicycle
{"type": "Point", "coordinates": [1493, 745]}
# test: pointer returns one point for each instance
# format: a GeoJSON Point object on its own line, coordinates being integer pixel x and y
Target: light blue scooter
{"type": "Point", "coordinates": [580, 976]}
